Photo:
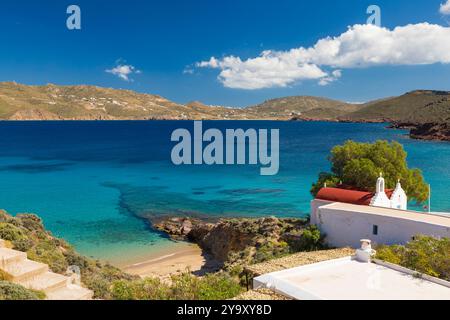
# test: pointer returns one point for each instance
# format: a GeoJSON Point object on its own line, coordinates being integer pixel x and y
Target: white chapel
{"type": "Point", "coordinates": [398, 199]}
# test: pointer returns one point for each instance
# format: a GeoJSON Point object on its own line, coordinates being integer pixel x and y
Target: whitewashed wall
{"type": "Point", "coordinates": [346, 228]}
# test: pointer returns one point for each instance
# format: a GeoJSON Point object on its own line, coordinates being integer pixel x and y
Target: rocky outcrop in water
{"type": "Point", "coordinates": [431, 131]}
{"type": "Point", "coordinates": [425, 131]}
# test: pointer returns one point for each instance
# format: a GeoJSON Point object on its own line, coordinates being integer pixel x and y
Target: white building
{"type": "Point", "coordinates": [346, 216]}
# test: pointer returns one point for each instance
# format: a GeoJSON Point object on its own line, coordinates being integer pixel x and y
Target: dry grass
{"type": "Point", "coordinates": [260, 294]}
{"type": "Point", "coordinates": [296, 260]}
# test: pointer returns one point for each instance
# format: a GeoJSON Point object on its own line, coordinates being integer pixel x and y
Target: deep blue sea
{"type": "Point", "coordinates": [92, 182]}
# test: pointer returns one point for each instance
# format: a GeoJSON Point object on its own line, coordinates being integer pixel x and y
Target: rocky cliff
{"type": "Point", "coordinates": [426, 131]}
{"type": "Point", "coordinates": [245, 241]}
{"type": "Point", "coordinates": [431, 131]}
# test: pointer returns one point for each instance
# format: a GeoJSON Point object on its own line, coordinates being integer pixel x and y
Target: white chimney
{"type": "Point", "coordinates": [366, 252]}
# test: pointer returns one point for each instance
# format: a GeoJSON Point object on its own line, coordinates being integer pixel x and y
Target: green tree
{"type": "Point", "coordinates": [360, 164]}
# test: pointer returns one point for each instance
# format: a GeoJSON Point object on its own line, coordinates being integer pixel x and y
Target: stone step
{"type": "Point", "coordinates": [25, 270]}
{"type": "Point", "coordinates": [70, 292]}
{"type": "Point", "coordinates": [35, 275]}
{"type": "Point", "coordinates": [46, 282]}
{"type": "Point", "coordinates": [8, 256]}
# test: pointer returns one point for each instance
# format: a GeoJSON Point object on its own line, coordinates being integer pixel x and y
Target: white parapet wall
{"type": "Point", "coordinates": [345, 224]}
{"type": "Point", "coordinates": [349, 279]}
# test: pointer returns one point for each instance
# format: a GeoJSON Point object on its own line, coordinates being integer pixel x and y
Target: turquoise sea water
{"type": "Point", "coordinates": [93, 182]}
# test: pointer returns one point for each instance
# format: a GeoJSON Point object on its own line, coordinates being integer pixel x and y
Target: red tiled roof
{"type": "Point", "coordinates": [347, 196]}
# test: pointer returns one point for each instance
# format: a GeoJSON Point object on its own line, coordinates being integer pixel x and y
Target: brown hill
{"type": "Point", "coordinates": [51, 102]}
{"type": "Point", "coordinates": [302, 107]}
{"type": "Point", "coordinates": [416, 107]}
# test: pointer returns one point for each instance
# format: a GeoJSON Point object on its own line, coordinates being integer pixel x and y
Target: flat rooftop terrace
{"type": "Point", "coordinates": [348, 279]}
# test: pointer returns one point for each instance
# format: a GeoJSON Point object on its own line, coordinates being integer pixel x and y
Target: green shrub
{"type": "Point", "coordinates": [218, 287]}
{"type": "Point", "coordinates": [181, 287]}
{"type": "Point", "coordinates": [30, 222]}
{"type": "Point", "coordinates": [75, 259]}
{"type": "Point", "coordinates": [99, 280]}
{"type": "Point", "coordinates": [184, 287]}
{"type": "Point", "coordinates": [271, 250]}
{"type": "Point", "coordinates": [392, 254]}
{"type": "Point", "coordinates": [98, 284]}
{"type": "Point", "coordinates": [309, 239]}
{"type": "Point", "coordinates": [22, 245]}
{"type": "Point", "coordinates": [11, 232]}
{"type": "Point", "coordinates": [46, 252]}
{"type": "Point", "coordinates": [124, 290]}
{"type": "Point", "coordinates": [424, 254]}
{"type": "Point", "coordinates": [147, 289]}
{"type": "Point", "coordinates": [11, 291]}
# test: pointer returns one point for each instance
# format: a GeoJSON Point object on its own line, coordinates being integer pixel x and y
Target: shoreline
{"type": "Point", "coordinates": [170, 261]}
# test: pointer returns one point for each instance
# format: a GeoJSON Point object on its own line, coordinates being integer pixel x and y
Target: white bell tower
{"type": "Point", "coordinates": [380, 198]}
{"type": "Point", "coordinates": [399, 199]}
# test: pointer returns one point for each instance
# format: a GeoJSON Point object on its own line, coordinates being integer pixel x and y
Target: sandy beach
{"type": "Point", "coordinates": [174, 260]}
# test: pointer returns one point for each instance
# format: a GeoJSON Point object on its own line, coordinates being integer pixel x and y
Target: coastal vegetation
{"type": "Point", "coordinates": [424, 254]}
{"type": "Point", "coordinates": [234, 242]}
{"type": "Point", "coordinates": [358, 165]}
{"type": "Point", "coordinates": [11, 291]}
{"type": "Point", "coordinates": [25, 232]}
{"type": "Point", "coordinates": [185, 286]}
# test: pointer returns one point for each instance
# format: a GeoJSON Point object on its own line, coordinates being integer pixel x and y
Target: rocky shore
{"type": "Point", "coordinates": [244, 241]}
{"type": "Point", "coordinates": [425, 131]}
{"type": "Point", "coordinates": [421, 131]}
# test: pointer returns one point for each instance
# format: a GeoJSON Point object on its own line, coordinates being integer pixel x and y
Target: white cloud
{"type": "Point", "coordinates": [124, 71]}
{"type": "Point", "coordinates": [271, 69]}
{"type": "Point", "coordinates": [445, 8]}
{"type": "Point", "coordinates": [360, 46]}
{"type": "Point", "coordinates": [335, 74]}
{"type": "Point", "coordinates": [188, 70]}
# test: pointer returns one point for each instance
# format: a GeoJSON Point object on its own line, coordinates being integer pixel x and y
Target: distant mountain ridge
{"type": "Point", "coordinates": [52, 102]}
{"type": "Point", "coordinates": [303, 107]}
{"type": "Point", "coordinates": [428, 110]}
{"type": "Point", "coordinates": [420, 106]}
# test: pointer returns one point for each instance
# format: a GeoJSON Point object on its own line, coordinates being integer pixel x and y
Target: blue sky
{"type": "Point", "coordinates": [165, 41]}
